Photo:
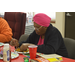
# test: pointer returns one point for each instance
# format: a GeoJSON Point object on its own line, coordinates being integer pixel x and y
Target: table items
{"type": "Point", "coordinates": [21, 52]}
{"type": "Point", "coordinates": [19, 57]}
{"type": "Point", "coordinates": [40, 57]}
{"type": "Point", "coordinates": [13, 55]}
{"type": "Point", "coordinates": [31, 60]}
{"type": "Point", "coordinates": [26, 59]}
{"type": "Point", "coordinates": [6, 53]}
{"type": "Point", "coordinates": [32, 51]}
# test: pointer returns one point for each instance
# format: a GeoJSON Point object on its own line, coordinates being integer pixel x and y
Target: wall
{"type": "Point", "coordinates": [1, 13]}
{"type": "Point", "coordinates": [60, 22]}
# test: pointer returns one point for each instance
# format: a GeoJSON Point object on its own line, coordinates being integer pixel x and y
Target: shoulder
{"type": "Point", "coordinates": [3, 21]}
{"type": "Point", "coordinates": [52, 29]}
{"type": "Point", "coordinates": [54, 33]}
{"type": "Point", "coordinates": [33, 34]}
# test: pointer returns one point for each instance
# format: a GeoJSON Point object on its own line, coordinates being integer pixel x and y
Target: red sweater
{"type": "Point", "coordinates": [5, 31]}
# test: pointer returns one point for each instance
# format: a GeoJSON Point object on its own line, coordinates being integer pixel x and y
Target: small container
{"type": "Point", "coordinates": [26, 59]}
{"type": "Point", "coordinates": [6, 53]}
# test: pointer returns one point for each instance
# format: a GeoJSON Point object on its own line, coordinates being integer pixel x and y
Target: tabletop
{"type": "Point", "coordinates": [21, 56]}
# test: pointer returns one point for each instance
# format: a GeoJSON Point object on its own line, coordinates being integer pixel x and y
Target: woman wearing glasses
{"type": "Point", "coordinates": [47, 37]}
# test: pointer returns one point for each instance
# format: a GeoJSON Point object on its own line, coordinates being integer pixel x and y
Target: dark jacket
{"type": "Point", "coordinates": [53, 42]}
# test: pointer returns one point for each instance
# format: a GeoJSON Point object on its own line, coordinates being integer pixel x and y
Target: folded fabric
{"type": "Point", "coordinates": [42, 19]}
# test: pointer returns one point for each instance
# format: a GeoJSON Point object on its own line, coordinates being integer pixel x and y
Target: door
{"type": "Point", "coordinates": [70, 25]}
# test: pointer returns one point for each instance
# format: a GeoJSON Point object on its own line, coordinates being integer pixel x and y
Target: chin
{"type": "Point", "coordinates": [37, 33]}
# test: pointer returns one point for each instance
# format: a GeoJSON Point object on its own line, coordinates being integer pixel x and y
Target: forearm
{"type": "Point", "coordinates": [45, 49]}
{"type": "Point", "coordinates": [28, 44]}
{"type": "Point", "coordinates": [27, 41]}
{"type": "Point", "coordinates": [4, 38]}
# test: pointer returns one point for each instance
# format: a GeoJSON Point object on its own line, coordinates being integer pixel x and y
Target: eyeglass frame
{"type": "Point", "coordinates": [37, 28]}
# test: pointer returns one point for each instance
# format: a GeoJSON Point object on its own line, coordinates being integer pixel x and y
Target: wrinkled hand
{"type": "Point", "coordinates": [14, 42]}
{"type": "Point", "coordinates": [24, 46]}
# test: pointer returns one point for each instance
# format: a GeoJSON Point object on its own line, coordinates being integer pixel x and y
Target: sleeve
{"type": "Point", "coordinates": [5, 32]}
{"type": "Point", "coordinates": [52, 44]}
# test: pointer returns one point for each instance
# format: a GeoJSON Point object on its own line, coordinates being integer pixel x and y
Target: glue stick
{"type": "Point", "coordinates": [6, 53]}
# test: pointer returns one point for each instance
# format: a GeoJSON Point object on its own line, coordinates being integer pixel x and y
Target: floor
{"type": "Point", "coordinates": [29, 29]}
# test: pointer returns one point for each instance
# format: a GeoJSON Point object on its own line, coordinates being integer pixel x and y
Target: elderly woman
{"type": "Point", "coordinates": [47, 37]}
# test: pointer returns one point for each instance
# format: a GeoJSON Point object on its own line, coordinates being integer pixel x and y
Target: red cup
{"type": "Point", "coordinates": [32, 51]}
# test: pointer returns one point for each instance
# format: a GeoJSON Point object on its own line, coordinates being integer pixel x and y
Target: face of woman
{"type": "Point", "coordinates": [40, 30]}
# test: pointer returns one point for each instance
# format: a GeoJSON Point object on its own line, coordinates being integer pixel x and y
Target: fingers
{"type": "Point", "coordinates": [14, 42]}
{"type": "Point", "coordinates": [23, 47]}
{"type": "Point", "coordinates": [11, 43]}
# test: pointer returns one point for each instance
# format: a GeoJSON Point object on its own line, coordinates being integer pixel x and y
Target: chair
{"type": "Point", "coordinates": [16, 21]}
{"type": "Point", "coordinates": [23, 37]}
{"type": "Point", "coordinates": [70, 45]}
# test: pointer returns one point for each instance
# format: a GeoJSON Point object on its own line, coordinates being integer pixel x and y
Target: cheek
{"type": "Point", "coordinates": [37, 32]}
{"type": "Point", "coordinates": [40, 32]}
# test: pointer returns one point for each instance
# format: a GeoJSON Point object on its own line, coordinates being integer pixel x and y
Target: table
{"type": "Point", "coordinates": [67, 60]}
{"type": "Point", "coordinates": [20, 58]}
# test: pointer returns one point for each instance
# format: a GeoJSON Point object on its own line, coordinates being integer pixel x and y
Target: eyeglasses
{"type": "Point", "coordinates": [37, 28]}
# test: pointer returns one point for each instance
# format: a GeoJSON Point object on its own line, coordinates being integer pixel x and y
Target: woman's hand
{"type": "Point", "coordinates": [24, 46]}
{"type": "Point", "coordinates": [14, 42]}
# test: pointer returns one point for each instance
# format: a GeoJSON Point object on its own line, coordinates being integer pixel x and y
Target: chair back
{"type": "Point", "coordinates": [16, 21]}
{"type": "Point", "coordinates": [70, 45]}
{"type": "Point", "coordinates": [23, 37]}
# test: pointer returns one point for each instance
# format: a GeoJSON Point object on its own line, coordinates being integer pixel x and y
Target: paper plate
{"type": "Point", "coordinates": [1, 44]}
{"type": "Point", "coordinates": [13, 55]}
{"type": "Point", "coordinates": [18, 51]}
{"type": "Point", "coordinates": [21, 52]}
